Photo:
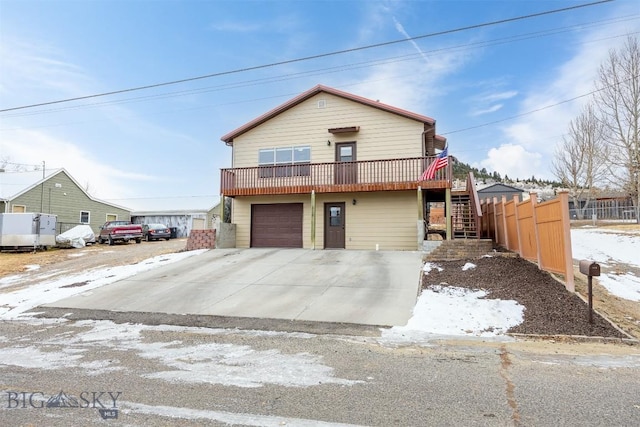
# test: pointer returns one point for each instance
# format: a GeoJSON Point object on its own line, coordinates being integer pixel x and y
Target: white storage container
{"type": "Point", "coordinates": [35, 230]}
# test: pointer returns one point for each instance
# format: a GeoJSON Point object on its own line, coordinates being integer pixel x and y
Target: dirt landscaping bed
{"type": "Point", "coordinates": [549, 308]}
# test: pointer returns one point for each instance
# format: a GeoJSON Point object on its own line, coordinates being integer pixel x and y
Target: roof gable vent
{"type": "Point", "coordinates": [322, 103]}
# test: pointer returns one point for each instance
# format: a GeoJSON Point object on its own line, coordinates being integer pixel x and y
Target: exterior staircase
{"type": "Point", "coordinates": [463, 219]}
{"type": "Point", "coordinates": [450, 250]}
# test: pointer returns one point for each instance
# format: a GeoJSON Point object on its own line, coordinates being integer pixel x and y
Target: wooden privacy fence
{"type": "Point", "coordinates": [538, 232]}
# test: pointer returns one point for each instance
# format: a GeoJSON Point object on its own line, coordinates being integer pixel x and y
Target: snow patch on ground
{"type": "Point", "coordinates": [75, 255]}
{"type": "Point", "coordinates": [428, 266]}
{"type": "Point", "coordinates": [605, 247]}
{"type": "Point", "coordinates": [468, 266]}
{"type": "Point", "coordinates": [451, 310]}
{"type": "Point", "coordinates": [208, 363]}
{"type": "Point", "coordinates": [626, 286]}
{"type": "Point", "coordinates": [609, 248]}
{"type": "Point", "coordinates": [226, 418]}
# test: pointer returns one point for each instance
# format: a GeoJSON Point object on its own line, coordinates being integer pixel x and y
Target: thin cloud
{"type": "Point", "coordinates": [500, 96]}
{"type": "Point", "coordinates": [30, 68]}
{"type": "Point", "coordinates": [402, 31]}
{"type": "Point", "coordinates": [489, 110]}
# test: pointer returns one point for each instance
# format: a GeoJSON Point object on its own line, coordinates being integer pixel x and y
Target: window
{"type": "Point", "coordinates": [111, 217]}
{"type": "Point", "coordinates": [84, 217]}
{"type": "Point", "coordinates": [284, 161]}
{"type": "Point", "coordinates": [18, 209]}
{"type": "Point", "coordinates": [334, 216]}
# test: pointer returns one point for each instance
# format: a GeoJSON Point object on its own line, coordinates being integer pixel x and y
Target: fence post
{"type": "Point", "coordinates": [504, 222]}
{"type": "Point", "coordinates": [496, 234]}
{"type": "Point", "coordinates": [534, 210]}
{"type": "Point", "coordinates": [566, 228]}
{"type": "Point", "coordinates": [516, 200]}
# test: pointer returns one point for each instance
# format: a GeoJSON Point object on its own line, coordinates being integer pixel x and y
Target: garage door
{"type": "Point", "coordinates": [276, 225]}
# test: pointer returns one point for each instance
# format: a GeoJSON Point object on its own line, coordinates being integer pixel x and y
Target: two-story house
{"type": "Point", "coordinates": [329, 169]}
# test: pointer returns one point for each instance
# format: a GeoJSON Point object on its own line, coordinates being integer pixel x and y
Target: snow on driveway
{"type": "Point", "coordinates": [14, 304]}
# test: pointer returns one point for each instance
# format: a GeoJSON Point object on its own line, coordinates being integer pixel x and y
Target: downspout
{"type": "Point", "coordinates": [428, 150]}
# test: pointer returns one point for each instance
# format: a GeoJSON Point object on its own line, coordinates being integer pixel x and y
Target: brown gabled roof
{"type": "Point", "coordinates": [228, 138]}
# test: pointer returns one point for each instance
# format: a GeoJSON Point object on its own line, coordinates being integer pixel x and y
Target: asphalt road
{"type": "Point", "coordinates": [181, 376]}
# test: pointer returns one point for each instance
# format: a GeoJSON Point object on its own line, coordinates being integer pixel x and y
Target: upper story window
{"type": "Point", "coordinates": [84, 217]}
{"type": "Point", "coordinates": [284, 161]}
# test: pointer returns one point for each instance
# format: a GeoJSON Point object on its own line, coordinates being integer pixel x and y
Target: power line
{"type": "Point", "coordinates": [326, 70]}
{"type": "Point", "coordinates": [307, 58]}
{"type": "Point", "coordinates": [540, 109]}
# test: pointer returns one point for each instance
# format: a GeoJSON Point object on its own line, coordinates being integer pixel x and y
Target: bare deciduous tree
{"type": "Point", "coordinates": [578, 162]}
{"type": "Point", "coordinates": [618, 101]}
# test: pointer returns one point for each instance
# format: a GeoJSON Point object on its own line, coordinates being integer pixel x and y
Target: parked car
{"type": "Point", "coordinates": [120, 231]}
{"type": "Point", "coordinates": [155, 232]}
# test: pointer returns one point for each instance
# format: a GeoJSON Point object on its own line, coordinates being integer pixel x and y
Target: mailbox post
{"type": "Point", "coordinates": [590, 269]}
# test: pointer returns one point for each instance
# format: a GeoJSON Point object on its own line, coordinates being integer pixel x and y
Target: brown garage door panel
{"type": "Point", "coordinates": [276, 225]}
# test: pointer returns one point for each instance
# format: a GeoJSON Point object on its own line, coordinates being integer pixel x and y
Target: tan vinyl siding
{"type": "Point", "coordinates": [67, 201]}
{"type": "Point", "coordinates": [382, 135]}
{"type": "Point", "coordinates": [387, 219]}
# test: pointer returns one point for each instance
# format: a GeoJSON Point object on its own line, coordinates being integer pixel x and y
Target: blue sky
{"type": "Point", "coordinates": [160, 148]}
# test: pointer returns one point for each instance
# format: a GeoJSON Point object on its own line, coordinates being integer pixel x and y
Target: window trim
{"type": "Point", "coordinates": [13, 208]}
{"type": "Point", "coordinates": [88, 221]}
{"type": "Point", "coordinates": [106, 217]}
{"type": "Point", "coordinates": [285, 169]}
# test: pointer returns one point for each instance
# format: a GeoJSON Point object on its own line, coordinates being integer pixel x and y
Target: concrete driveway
{"type": "Point", "coordinates": [359, 287]}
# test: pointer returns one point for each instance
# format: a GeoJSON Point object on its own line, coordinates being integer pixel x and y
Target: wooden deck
{"type": "Point", "coordinates": [335, 177]}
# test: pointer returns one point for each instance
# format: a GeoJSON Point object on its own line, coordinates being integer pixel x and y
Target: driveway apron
{"type": "Point", "coordinates": [360, 287]}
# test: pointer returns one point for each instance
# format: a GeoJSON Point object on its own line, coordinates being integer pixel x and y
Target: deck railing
{"type": "Point", "coordinates": [365, 175]}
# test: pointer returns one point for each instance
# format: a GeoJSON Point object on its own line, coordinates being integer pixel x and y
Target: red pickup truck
{"type": "Point", "coordinates": [120, 231]}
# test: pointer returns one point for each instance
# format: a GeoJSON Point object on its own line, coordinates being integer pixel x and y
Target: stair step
{"type": "Point", "coordinates": [459, 249]}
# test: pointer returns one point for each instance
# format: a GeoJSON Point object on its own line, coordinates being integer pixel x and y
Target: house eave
{"type": "Point", "coordinates": [229, 137]}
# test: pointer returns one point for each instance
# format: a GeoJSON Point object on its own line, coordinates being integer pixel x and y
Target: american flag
{"type": "Point", "coordinates": [441, 161]}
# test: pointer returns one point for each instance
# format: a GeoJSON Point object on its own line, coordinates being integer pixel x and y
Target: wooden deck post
{"type": "Point", "coordinates": [313, 219]}
{"type": "Point", "coordinates": [420, 205]}
{"type": "Point", "coordinates": [222, 218]}
{"type": "Point", "coordinates": [447, 213]}
{"type": "Point", "coordinates": [421, 228]}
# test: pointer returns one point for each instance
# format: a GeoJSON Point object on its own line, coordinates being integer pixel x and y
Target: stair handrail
{"type": "Point", "coordinates": [475, 202]}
